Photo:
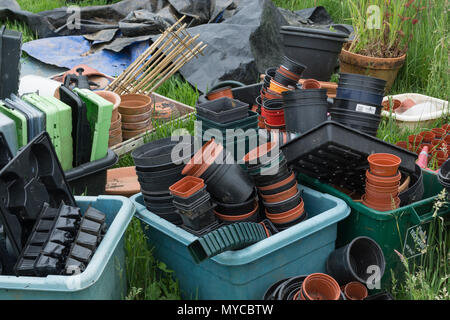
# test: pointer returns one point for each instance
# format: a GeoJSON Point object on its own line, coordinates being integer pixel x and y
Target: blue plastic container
{"type": "Point", "coordinates": [105, 275]}
{"type": "Point", "coordinates": [247, 273]}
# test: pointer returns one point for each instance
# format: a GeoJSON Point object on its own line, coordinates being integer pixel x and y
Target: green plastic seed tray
{"type": "Point", "coordinates": [21, 123]}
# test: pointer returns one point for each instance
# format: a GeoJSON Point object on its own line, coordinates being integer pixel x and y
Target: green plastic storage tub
{"type": "Point", "coordinates": [387, 228]}
{"type": "Point", "coordinates": [247, 273]}
{"type": "Point", "coordinates": [105, 275]}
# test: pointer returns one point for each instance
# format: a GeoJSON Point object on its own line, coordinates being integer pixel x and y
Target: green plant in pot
{"type": "Point", "coordinates": [383, 29]}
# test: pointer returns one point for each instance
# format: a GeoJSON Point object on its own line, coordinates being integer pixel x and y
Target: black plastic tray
{"type": "Point", "coordinates": [81, 130]}
{"type": "Point", "coordinates": [334, 153]}
{"type": "Point", "coordinates": [10, 53]}
{"type": "Point", "coordinates": [32, 177]}
{"type": "Point", "coordinates": [223, 110]}
{"type": "Point", "coordinates": [5, 152]}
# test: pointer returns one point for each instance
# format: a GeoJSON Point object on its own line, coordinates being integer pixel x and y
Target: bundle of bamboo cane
{"type": "Point", "coordinates": [171, 51]}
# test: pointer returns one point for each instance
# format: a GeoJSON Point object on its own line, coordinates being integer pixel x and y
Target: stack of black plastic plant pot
{"type": "Point", "coordinates": [193, 202]}
{"type": "Point", "coordinates": [304, 109]}
{"type": "Point", "coordinates": [277, 185]}
{"type": "Point", "coordinates": [157, 170]}
{"type": "Point", "coordinates": [229, 185]}
{"type": "Point", "coordinates": [358, 102]}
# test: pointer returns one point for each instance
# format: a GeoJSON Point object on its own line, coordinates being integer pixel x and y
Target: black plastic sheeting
{"type": "Point", "coordinates": [242, 35]}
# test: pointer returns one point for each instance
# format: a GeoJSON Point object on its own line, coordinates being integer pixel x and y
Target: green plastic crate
{"type": "Point", "coordinates": [21, 123]}
{"type": "Point", "coordinates": [388, 228]}
{"type": "Point", "coordinates": [99, 113]}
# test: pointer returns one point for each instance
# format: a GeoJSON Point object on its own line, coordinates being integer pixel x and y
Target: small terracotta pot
{"type": "Point", "coordinates": [355, 291]}
{"type": "Point", "coordinates": [311, 84]}
{"type": "Point", "coordinates": [115, 132]}
{"type": "Point", "coordinates": [383, 181]}
{"type": "Point", "coordinates": [136, 118]}
{"type": "Point", "coordinates": [438, 144]}
{"type": "Point", "coordinates": [272, 198]}
{"type": "Point", "coordinates": [112, 97]}
{"type": "Point", "coordinates": [382, 190]}
{"type": "Point", "coordinates": [115, 140]}
{"type": "Point", "coordinates": [128, 134]}
{"type": "Point", "coordinates": [440, 154]}
{"type": "Point", "coordinates": [381, 207]}
{"type": "Point", "coordinates": [228, 218]}
{"type": "Point", "coordinates": [135, 104]}
{"type": "Point", "coordinates": [136, 125]}
{"type": "Point", "coordinates": [278, 184]}
{"type": "Point", "coordinates": [438, 132]}
{"type": "Point", "coordinates": [320, 286]}
{"type": "Point", "coordinates": [396, 104]}
{"type": "Point", "coordinates": [186, 187]}
{"type": "Point", "coordinates": [428, 136]}
{"type": "Point", "coordinates": [116, 124]}
{"type": "Point", "coordinates": [219, 93]}
{"type": "Point", "coordinates": [384, 164]}
{"type": "Point", "coordinates": [380, 198]}
{"type": "Point", "coordinates": [446, 138]}
{"type": "Point", "coordinates": [406, 104]}
{"type": "Point", "coordinates": [414, 141]}
{"type": "Point", "coordinates": [402, 144]}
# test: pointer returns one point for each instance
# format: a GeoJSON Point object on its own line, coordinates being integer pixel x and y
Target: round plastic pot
{"type": "Point", "coordinates": [266, 163]}
{"type": "Point", "coordinates": [380, 198]}
{"type": "Point", "coordinates": [272, 292]}
{"type": "Point", "coordinates": [289, 288]}
{"type": "Point", "coordinates": [279, 177]}
{"type": "Point", "coordinates": [294, 77]}
{"type": "Point", "coordinates": [273, 118]}
{"type": "Point", "coordinates": [357, 106]}
{"type": "Point", "coordinates": [268, 126]}
{"type": "Point", "coordinates": [227, 158]}
{"type": "Point", "coordinates": [317, 52]}
{"type": "Point", "coordinates": [301, 118]}
{"type": "Point", "coordinates": [383, 181]}
{"type": "Point", "coordinates": [416, 188]}
{"type": "Point", "coordinates": [110, 96]}
{"type": "Point", "coordinates": [270, 72]}
{"type": "Point", "coordinates": [350, 262]}
{"type": "Point", "coordinates": [160, 184]}
{"type": "Point", "coordinates": [280, 189]}
{"type": "Point", "coordinates": [438, 132]}
{"type": "Point", "coordinates": [402, 144]}
{"type": "Point", "coordinates": [135, 104]}
{"type": "Point", "coordinates": [265, 180]}
{"type": "Point", "coordinates": [277, 184]}
{"type": "Point", "coordinates": [362, 80]}
{"type": "Point", "coordinates": [252, 216]}
{"type": "Point", "coordinates": [256, 155]}
{"type": "Point", "coordinates": [159, 174]}
{"type": "Point", "coordinates": [283, 226]}
{"type": "Point", "coordinates": [311, 84]}
{"type": "Point", "coordinates": [407, 104]}
{"type": "Point", "coordinates": [273, 105]}
{"type": "Point", "coordinates": [220, 93]}
{"type": "Point", "coordinates": [283, 206]}
{"type": "Point", "coordinates": [382, 190]}
{"type": "Point", "coordinates": [379, 206]}
{"type": "Point", "coordinates": [293, 66]}
{"type": "Point", "coordinates": [270, 94]}
{"type": "Point", "coordinates": [428, 136]}
{"type": "Point", "coordinates": [369, 89]}
{"type": "Point", "coordinates": [320, 286]}
{"type": "Point", "coordinates": [230, 184]}
{"type": "Point", "coordinates": [444, 175]}
{"type": "Point", "coordinates": [289, 193]}
{"type": "Point", "coordinates": [266, 173]}
{"type": "Point", "coordinates": [296, 95]}
{"type": "Point", "coordinates": [355, 291]}
{"type": "Point", "coordinates": [198, 161]}
{"type": "Point", "coordinates": [277, 87]}
{"type": "Point", "coordinates": [283, 79]}
{"type": "Point", "coordinates": [287, 216]}
{"type": "Point", "coordinates": [357, 95]}
{"type": "Point", "coordinates": [384, 164]}
{"type": "Point", "coordinates": [237, 209]}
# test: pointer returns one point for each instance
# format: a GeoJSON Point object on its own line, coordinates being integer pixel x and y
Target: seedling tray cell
{"type": "Point", "coordinates": [21, 123]}
{"type": "Point", "coordinates": [223, 110]}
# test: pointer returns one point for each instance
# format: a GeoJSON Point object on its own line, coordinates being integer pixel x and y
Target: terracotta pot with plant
{"type": "Point", "coordinates": [382, 32]}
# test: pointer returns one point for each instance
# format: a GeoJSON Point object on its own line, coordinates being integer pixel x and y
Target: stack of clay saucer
{"type": "Point", "coordinates": [115, 130]}
{"type": "Point", "coordinates": [382, 183]}
{"type": "Point", "coordinates": [136, 112]}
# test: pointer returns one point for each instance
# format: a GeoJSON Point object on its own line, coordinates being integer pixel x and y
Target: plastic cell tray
{"type": "Point", "coordinates": [336, 154]}
{"type": "Point", "coordinates": [99, 113]}
{"type": "Point", "coordinates": [104, 277]}
{"type": "Point", "coordinates": [81, 130]}
{"type": "Point", "coordinates": [223, 110]}
{"type": "Point", "coordinates": [35, 118]}
{"type": "Point", "coordinates": [32, 177]}
{"type": "Point", "coordinates": [247, 273]}
{"type": "Point", "coordinates": [21, 123]}
{"type": "Point", "coordinates": [8, 128]}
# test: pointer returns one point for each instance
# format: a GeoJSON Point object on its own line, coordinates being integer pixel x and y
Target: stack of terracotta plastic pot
{"type": "Point", "coordinates": [115, 130]}
{"type": "Point", "coordinates": [136, 112]}
{"type": "Point", "coordinates": [193, 202]}
{"type": "Point", "coordinates": [227, 183]}
{"type": "Point", "coordinates": [382, 182]}
{"type": "Point", "coordinates": [276, 184]}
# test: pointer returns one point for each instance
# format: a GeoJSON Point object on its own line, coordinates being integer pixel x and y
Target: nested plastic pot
{"type": "Point", "coordinates": [289, 74]}
{"type": "Point", "coordinates": [252, 216]}
{"type": "Point", "coordinates": [293, 66]}
{"type": "Point", "coordinates": [134, 104]}
{"type": "Point", "coordinates": [273, 112]}
{"type": "Point", "coordinates": [320, 286]}
{"type": "Point", "coordinates": [270, 176]}
{"type": "Point", "coordinates": [280, 187]}
{"type": "Point", "coordinates": [384, 164]}
{"type": "Point", "coordinates": [220, 93]}
{"type": "Point", "coordinates": [357, 95]}
{"type": "Point", "coordinates": [299, 94]}
{"type": "Point", "coordinates": [289, 288]}
{"type": "Point", "coordinates": [352, 105]}
{"type": "Point", "coordinates": [279, 177]}
{"type": "Point", "coordinates": [283, 206]}
{"type": "Point", "coordinates": [356, 261]}
{"type": "Point", "coordinates": [271, 94]}
{"type": "Point", "coordinates": [277, 87]}
{"type": "Point", "coordinates": [356, 119]}
{"type": "Point", "coordinates": [392, 204]}
{"type": "Point", "coordinates": [383, 181]}
{"type": "Point", "coordinates": [362, 80]}
{"type": "Point", "coordinates": [444, 175]}
{"type": "Point", "coordinates": [187, 187]}
{"type": "Point", "coordinates": [438, 132]}
{"type": "Point", "coordinates": [368, 88]}
{"type": "Point", "coordinates": [202, 159]}
{"type": "Point", "coordinates": [287, 216]}
{"type": "Point", "coordinates": [428, 136]}
{"type": "Point", "coordinates": [355, 291]}
{"type": "Point", "coordinates": [262, 153]}
{"type": "Point", "coordinates": [273, 198]}
{"type": "Point", "coordinates": [236, 209]}
{"type": "Point", "coordinates": [284, 80]}
{"type": "Point", "coordinates": [283, 226]}
{"type": "Point", "coordinates": [300, 118]}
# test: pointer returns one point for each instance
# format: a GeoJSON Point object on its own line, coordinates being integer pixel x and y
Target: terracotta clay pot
{"type": "Point", "coordinates": [438, 132]}
{"type": "Point", "coordinates": [382, 68]}
{"type": "Point", "coordinates": [187, 186]}
{"type": "Point", "coordinates": [288, 216]}
{"type": "Point", "coordinates": [115, 140]}
{"type": "Point", "coordinates": [117, 123]}
{"type": "Point", "coordinates": [383, 181]}
{"type": "Point", "coordinates": [112, 97]}
{"type": "Point", "coordinates": [380, 198]}
{"type": "Point", "coordinates": [382, 190]}
{"type": "Point", "coordinates": [122, 181]}
{"type": "Point", "coordinates": [219, 93]}
{"type": "Point", "coordinates": [115, 132]}
{"type": "Point", "coordinates": [438, 144]}
{"type": "Point", "coordinates": [396, 104]}
{"type": "Point", "coordinates": [381, 207]}
{"type": "Point", "coordinates": [136, 125]}
{"type": "Point", "coordinates": [320, 286]}
{"type": "Point", "coordinates": [440, 154]}
{"type": "Point", "coordinates": [414, 141]}
{"type": "Point", "coordinates": [128, 134]}
{"type": "Point", "coordinates": [384, 164]}
{"type": "Point", "coordinates": [135, 104]}
{"type": "Point", "coordinates": [355, 291]}
{"type": "Point", "coordinates": [311, 84]}
{"type": "Point", "coordinates": [136, 118]}
{"type": "Point", "coordinates": [428, 136]}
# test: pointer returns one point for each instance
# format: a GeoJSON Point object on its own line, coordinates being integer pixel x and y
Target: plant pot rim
{"type": "Point", "coordinates": [371, 177]}
{"type": "Point", "coordinates": [396, 62]}
{"type": "Point", "coordinates": [199, 184]}
{"type": "Point", "coordinates": [375, 157]}
{"type": "Point", "coordinates": [256, 153]}
{"type": "Point", "coordinates": [115, 96]}
{"type": "Point", "coordinates": [278, 184]}
{"type": "Point", "coordinates": [237, 218]}
{"type": "Point", "coordinates": [278, 197]}
{"type": "Point", "coordinates": [325, 277]}
{"type": "Point", "coordinates": [356, 284]}
{"type": "Point", "coordinates": [197, 159]}
{"type": "Point", "coordinates": [287, 216]}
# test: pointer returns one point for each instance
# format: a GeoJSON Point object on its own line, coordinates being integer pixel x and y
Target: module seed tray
{"type": "Point", "coordinates": [20, 121]}
{"type": "Point", "coordinates": [35, 117]}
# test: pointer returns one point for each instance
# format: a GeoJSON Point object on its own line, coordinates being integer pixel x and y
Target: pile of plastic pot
{"type": "Point", "coordinates": [348, 272]}
{"type": "Point", "coordinates": [157, 171]}
{"type": "Point", "coordinates": [229, 185]}
{"type": "Point", "coordinates": [276, 184]}
{"type": "Point", "coordinates": [358, 102]}
{"type": "Point", "coordinates": [276, 81]}
{"type": "Point", "coordinates": [382, 182]}
{"type": "Point", "coordinates": [305, 108]}
{"type": "Point", "coordinates": [437, 140]}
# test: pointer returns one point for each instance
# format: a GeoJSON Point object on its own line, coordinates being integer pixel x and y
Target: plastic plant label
{"type": "Point", "coordinates": [365, 108]}
{"type": "Point", "coordinates": [416, 241]}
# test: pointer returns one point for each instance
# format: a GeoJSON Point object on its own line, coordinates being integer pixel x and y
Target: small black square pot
{"type": "Point", "coordinates": [199, 207]}
{"type": "Point", "coordinates": [283, 206]}
{"type": "Point", "coordinates": [200, 221]}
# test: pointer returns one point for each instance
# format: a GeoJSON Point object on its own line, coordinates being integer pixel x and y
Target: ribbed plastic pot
{"type": "Point", "coordinates": [300, 118]}
{"type": "Point", "coordinates": [318, 51]}
{"type": "Point", "coordinates": [293, 66]}
{"type": "Point", "coordinates": [361, 121]}
{"type": "Point", "coordinates": [354, 261]}
{"type": "Point", "coordinates": [383, 181]}
{"type": "Point", "coordinates": [220, 93]}
{"type": "Point", "coordinates": [384, 164]}
{"type": "Point", "coordinates": [289, 74]}
{"type": "Point", "coordinates": [357, 106]}
{"type": "Point", "coordinates": [438, 132]}
{"type": "Point", "coordinates": [428, 136]}
{"type": "Point", "coordinates": [284, 80]}
{"type": "Point", "coordinates": [283, 206]}
{"type": "Point", "coordinates": [357, 95]}
{"type": "Point", "coordinates": [252, 216]}
{"type": "Point", "coordinates": [236, 209]}
{"type": "Point", "coordinates": [320, 286]}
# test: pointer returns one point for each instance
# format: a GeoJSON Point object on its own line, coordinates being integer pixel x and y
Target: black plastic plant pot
{"type": "Point", "coordinates": [293, 66]}
{"type": "Point", "coordinates": [349, 85]}
{"type": "Point", "coordinates": [444, 175]}
{"type": "Point", "coordinates": [159, 184]}
{"type": "Point", "coordinates": [289, 288]}
{"type": "Point", "coordinates": [284, 226]}
{"type": "Point", "coordinates": [357, 106]}
{"type": "Point", "coordinates": [357, 95]}
{"type": "Point", "coordinates": [272, 292]}
{"type": "Point", "coordinates": [283, 206]}
{"type": "Point", "coordinates": [161, 197]}
{"type": "Point", "coordinates": [157, 155]}
{"type": "Point", "coordinates": [159, 174]}
{"type": "Point", "coordinates": [90, 178]}
{"type": "Point", "coordinates": [361, 80]}
{"type": "Point", "coordinates": [273, 160]}
{"type": "Point", "coordinates": [264, 181]}
{"type": "Point", "coordinates": [285, 81]}
{"type": "Point", "coordinates": [230, 184]}
{"type": "Point", "coordinates": [352, 261]}
{"type": "Point", "coordinates": [285, 187]}
{"type": "Point", "coordinates": [172, 217]}
{"type": "Point", "coordinates": [300, 118]}
{"type": "Point", "coordinates": [199, 221]}
{"type": "Point", "coordinates": [269, 226]}
{"type": "Point", "coordinates": [318, 51]}
{"type": "Point", "coordinates": [236, 209]}
{"type": "Point", "coordinates": [223, 110]}
{"type": "Point", "coordinates": [355, 118]}
{"type": "Point", "coordinates": [300, 94]}
{"type": "Point", "coordinates": [267, 174]}
{"type": "Point", "coordinates": [416, 190]}
{"type": "Point", "coordinates": [253, 218]}
{"type": "Point", "coordinates": [216, 224]}
{"type": "Point", "coordinates": [273, 104]}
{"type": "Point", "coordinates": [170, 208]}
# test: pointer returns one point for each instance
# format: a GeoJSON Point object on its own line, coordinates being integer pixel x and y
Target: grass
{"type": "Point", "coordinates": [425, 71]}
